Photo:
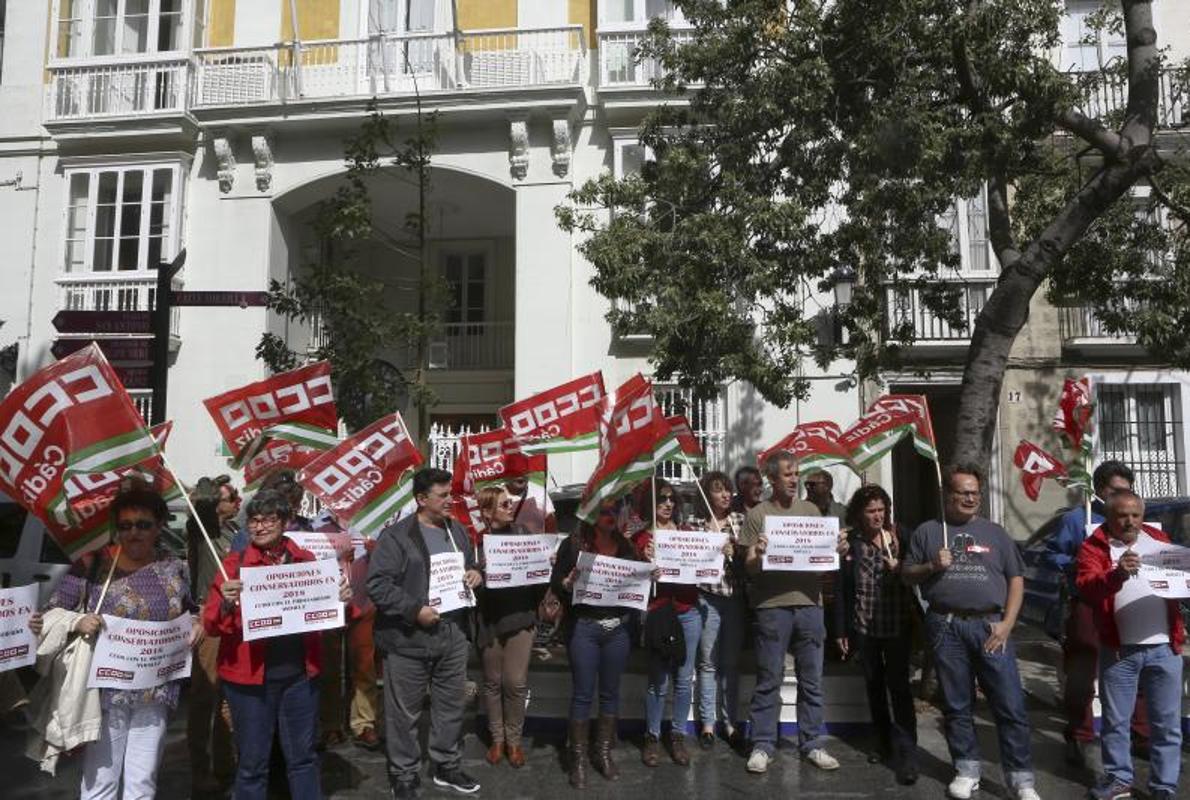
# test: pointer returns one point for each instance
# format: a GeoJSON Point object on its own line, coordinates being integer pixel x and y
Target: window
{"type": "Point", "coordinates": [1141, 425]}
{"type": "Point", "coordinates": [1085, 49]}
{"type": "Point", "coordinates": [120, 27]}
{"type": "Point", "coordinates": [707, 423]}
{"type": "Point", "coordinates": [121, 219]}
{"type": "Point", "coordinates": [620, 12]}
{"type": "Point", "coordinates": [967, 222]}
{"type": "Point", "coordinates": [466, 279]}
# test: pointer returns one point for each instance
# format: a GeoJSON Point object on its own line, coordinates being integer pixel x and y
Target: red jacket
{"type": "Point", "coordinates": [240, 661]}
{"type": "Point", "coordinates": [1098, 581]}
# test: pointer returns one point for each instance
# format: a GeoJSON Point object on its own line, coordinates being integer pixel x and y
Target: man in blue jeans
{"type": "Point", "coordinates": [971, 575]}
{"type": "Point", "coordinates": [788, 612]}
{"type": "Point", "coordinates": [1141, 637]}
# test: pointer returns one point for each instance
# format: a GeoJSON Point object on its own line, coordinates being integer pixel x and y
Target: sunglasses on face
{"type": "Point", "coordinates": [506, 504]}
{"type": "Point", "coordinates": [140, 524]}
{"type": "Point", "coordinates": [664, 498]}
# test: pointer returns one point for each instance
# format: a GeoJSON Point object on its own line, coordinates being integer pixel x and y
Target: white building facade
{"type": "Point", "coordinates": [130, 129]}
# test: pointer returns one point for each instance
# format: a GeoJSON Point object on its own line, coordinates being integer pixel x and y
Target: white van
{"type": "Point", "coordinates": [27, 554]}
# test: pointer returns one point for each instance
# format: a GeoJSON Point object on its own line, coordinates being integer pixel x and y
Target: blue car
{"type": "Point", "coordinates": [1045, 588]}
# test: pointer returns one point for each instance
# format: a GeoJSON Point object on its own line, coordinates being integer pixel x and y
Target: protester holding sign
{"type": "Point", "coordinates": [873, 617]}
{"type": "Point", "coordinates": [270, 683]}
{"type": "Point", "coordinates": [424, 649]}
{"type": "Point", "coordinates": [506, 623]}
{"type": "Point", "coordinates": [137, 581]}
{"type": "Point", "coordinates": [788, 614]}
{"type": "Point", "coordinates": [721, 606]}
{"type": "Point", "coordinates": [672, 629]}
{"type": "Point", "coordinates": [1141, 637]}
{"type": "Point", "coordinates": [598, 644]}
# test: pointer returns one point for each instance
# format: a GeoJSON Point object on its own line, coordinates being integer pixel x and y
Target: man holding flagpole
{"type": "Point", "coordinates": [974, 585]}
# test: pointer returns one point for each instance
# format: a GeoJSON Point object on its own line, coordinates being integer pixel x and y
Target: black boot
{"type": "Point", "coordinates": [577, 745]}
{"type": "Point", "coordinates": [605, 737]}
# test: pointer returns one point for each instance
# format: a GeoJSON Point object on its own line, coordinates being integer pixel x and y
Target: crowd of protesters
{"type": "Point", "coordinates": [260, 710]}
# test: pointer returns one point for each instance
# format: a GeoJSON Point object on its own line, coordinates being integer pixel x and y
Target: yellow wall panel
{"type": "Point", "coordinates": [317, 19]}
{"type": "Point", "coordinates": [221, 23]}
{"type": "Point", "coordinates": [481, 14]}
{"type": "Point", "coordinates": [582, 12]}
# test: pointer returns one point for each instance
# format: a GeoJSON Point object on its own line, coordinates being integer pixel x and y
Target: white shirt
{"type": "Point", "coordinates": [1141, 616]}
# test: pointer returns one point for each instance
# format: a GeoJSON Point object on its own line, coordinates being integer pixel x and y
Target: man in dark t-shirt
{"type": "Point", "coordinates": [971, 575]}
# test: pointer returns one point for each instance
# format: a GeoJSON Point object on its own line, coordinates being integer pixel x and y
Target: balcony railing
{"type": "Point", "coordinates": [142, 399]}
{"type": "Point", "coordinates": [118, 88]}
{"type": "Point", "coordinates": [619, 61]}
{"type": "Point", "coordinates": [1077, 323]}
{"type": "Point", "coordinates": [113, 291]}
{"type": "Point", "coordinates": [906, 306]}
{"type": "Point", "coordinates": [1109, 95]}
{"type": "Point", "coordinates": [474, 345]}
{"type": "Point", "coordinates": [390, 64]}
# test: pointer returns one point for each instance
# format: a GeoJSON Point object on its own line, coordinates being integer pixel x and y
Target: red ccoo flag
{"type": "Point", "coordinates": [813, 444]}
{"type": "Point", "coordinates": [564, 419]}
{"type": "Point", "coordinates": [1036, 465]}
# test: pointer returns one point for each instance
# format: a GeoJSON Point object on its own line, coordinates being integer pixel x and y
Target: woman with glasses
{"type": "Point", "coordinates": [143, 582]}
{"type": "Point", "coordinates": [270, 684]}
{"type": "Point", "coordinates": [507, 621]}
{"type": "Point", "coordinates": [598, 645]}
{"type": "Point", "coordinates": [670, 598]}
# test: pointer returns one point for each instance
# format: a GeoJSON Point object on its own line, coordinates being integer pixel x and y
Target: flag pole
{"type": "Point", "coordinates": [108, 581]}
{"type": "Point", "coordinates": [197, 519]}
{"type": "Point", "coordinates": [705, 499]}
{"type": "Point", "coordinates": [942, 503]}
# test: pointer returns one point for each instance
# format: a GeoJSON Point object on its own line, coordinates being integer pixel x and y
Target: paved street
{"type": "Point", "coordinates": [349, 772]}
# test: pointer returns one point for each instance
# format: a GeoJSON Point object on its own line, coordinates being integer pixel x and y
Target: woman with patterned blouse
{"type": "Point", "coordinates": [146, 583]}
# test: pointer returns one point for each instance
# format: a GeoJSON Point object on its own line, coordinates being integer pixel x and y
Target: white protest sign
{"type": "Point", "coordinates": [18, 645]}
{"type": "Point", "coordinates": [447, 591]}
{"type": "Point", "coordinates": [512, 560]}
{"type": "Point", "coordinates": [801, 544]}
{"type": "Point", "coordinates": [607, 581]}
{"type": "Point", "coordinates": [290, 598]}
{"type": "Point", "coordinates": [689, 556]}
{"type": "Point", "coordinates": [323, 545]}
{"type": "Point", "coordinates": [1164, 569]}
{"type": "Point", "coordinates": [140, 654]}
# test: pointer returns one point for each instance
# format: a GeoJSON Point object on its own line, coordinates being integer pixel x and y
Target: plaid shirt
{"type": "Point", "coordinates": [881, 606]}
{"type": "Point", "coordinates": [727, 582]}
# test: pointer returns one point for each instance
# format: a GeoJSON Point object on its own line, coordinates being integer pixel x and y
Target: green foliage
{"type": "Point", "coordinates": [809, 137]}
{"type": "Point", "coordinates": [332, 295]}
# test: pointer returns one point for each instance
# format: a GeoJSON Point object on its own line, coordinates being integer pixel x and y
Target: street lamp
{"type": "Point", "coordinates": [842, 283]}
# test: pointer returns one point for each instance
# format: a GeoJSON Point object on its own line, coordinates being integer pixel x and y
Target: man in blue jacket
{"type": "Point", "coordinates": [1080, 649]}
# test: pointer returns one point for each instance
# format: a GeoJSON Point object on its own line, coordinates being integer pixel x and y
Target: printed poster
{"type": "Point", "coordinates": [290, 598]}
{"type": "Point", "coordinates": [801, 544]}
{"type": "Point", "coordinates": [689, 556]}
{"type": "Point", "coordinates": [514, 560]}
{"type": "Point", "coordinates": [140, 654]}
{"type": "Point", "coordinates": [18, 645]}
{"type": "Point", "coordinates": [447, 590]}
{"type": "Point", "coordinates": [607, 581]}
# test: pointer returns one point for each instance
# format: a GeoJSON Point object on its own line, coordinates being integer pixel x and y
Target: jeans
{"type": "Point", "coordinates": [129, 746]}
{"type": "Point", "coordinates": [885, 663]}
{"type": "Point", "coordinates": [682, 675]}
{"type": "Point", "coordinates": [291, 709]}
{"type": "Point", "coordinates": [1080, 662]}
{"type": "Point", "coordinates": [959, 660]}
{"type": "Point", "coordinates": [506, 684]}
{"type": "Point", "coordinates": [718, 658]}
{"type": "Point", "coordinates": [597, 656]}
{"type": "Point", "coordinates": [1157, 671]}
{"type": "Point", "coordinates": [777, 630]}
{"type": "Point", "coordinates": [439, 666]}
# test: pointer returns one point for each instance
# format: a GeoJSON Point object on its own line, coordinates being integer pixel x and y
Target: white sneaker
{"type": "Point", "coordinates": [1027, 793]}
{"type": "Point", "coordinates": [758, 762]}
{"type": "Point", "coordinates": [822, 759]}
{"type": "Point", "coordinates": [962, 787]}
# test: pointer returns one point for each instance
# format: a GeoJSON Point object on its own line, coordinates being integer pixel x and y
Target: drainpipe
{"type": "Point", "coordinates": [296, 49]}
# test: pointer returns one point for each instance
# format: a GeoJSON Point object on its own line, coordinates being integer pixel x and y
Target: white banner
{"type": "Point", "coordinates": [447, 590]}
{"type": "Point", "coordinates": [140, 654]}
{"type": "Point", "coordinates": [801, 544]}
{"type": "Point", "coordinates": [1165, 570]}
{"type": "Point", "coordinates": [323, 545]}
{"type": "Point", "coordinates": [290, 598]}
{"type": "Point", "coordinates": [689, 556]}
{"type": "Point", "coordinates": [512, 560]}
{"type": "Point", "coordinates": [18, 645]}
{"type": "Point", "coordinates": [607, 581]}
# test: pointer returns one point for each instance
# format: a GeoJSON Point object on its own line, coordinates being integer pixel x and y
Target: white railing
{"type": "Point", "coordinates": [1080, 322]}
{"type": "Point", "coordinates": [905, 306]}
{"type": "Point", "coordinates": [123, 87]}
{"type": "Point", "coordinates": [474, 345]}
{"type": "Point", "coordinates": [445, 443]}
{"type": "Point", "coordinates": [1108, 94]}
{"type": "Point", "coordinates": [620, 63]}
{"type": "Point", "coordinates": [389, 64]}
{"type": "Point", "coordinates": [113, 291]}
{"type": "Point", "coordinates": [143, 400]}
{"type": "Point", "coordinates": [708, 423]}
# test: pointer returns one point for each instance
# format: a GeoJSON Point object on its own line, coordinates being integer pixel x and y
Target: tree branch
{"type": "Point", "coordinates": [1182, 212]}
{"type": "Point", "coordinates": [1000, 222]}
{"type": "Point", "coordinates": [1091, 131]}
{"type": "Point", "coordinates": [1144, 61]}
